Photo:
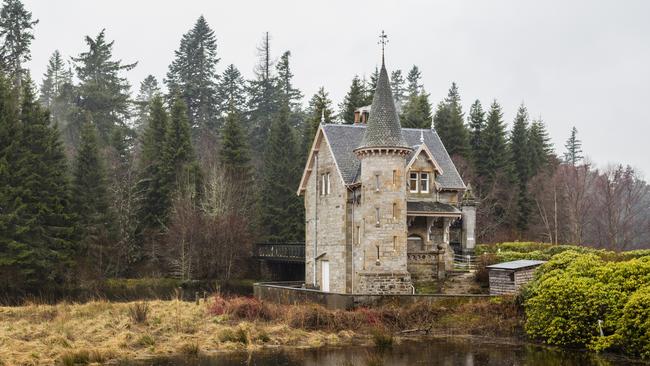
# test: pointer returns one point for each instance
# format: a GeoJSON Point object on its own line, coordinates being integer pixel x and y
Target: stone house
{"type": "Point", "coordinates": [380, 202]}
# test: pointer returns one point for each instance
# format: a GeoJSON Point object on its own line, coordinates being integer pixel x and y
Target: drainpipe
{"type": "Point", "coordinates": [354, 230]}
{"type": "Point", "coordinates": [315, 221]}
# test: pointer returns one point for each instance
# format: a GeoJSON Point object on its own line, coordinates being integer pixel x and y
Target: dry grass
{"type": "Point", "coordinates": [100, 331]}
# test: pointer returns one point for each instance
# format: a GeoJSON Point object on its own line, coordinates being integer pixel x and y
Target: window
{"type": "Point", "coordinates": [325, 184]}
{"type": "Point", "coordinates": [394, 178]}
{"type": "Point", "coordinates": [394, 243]}
{"type": "Point", "coordinates": [377, 182]}
{"type": "Point", "coordinates": [377, 215]}
{"type": "Point", "coordinates": [394, 210]}
{"type": "Point", "coordinates": [424, 182]}
{"type": "Point", "coordinates": [328, 186]}
{"type": "Point", "coordinates": [413, 182]}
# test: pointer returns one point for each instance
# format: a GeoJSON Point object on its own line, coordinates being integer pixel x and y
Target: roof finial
{"type": "Point", "coordinates": [421, 136]}
{"type": "Point", "coordinates": [383, 40]}
{"type": "Point", "coordinates": [322, 116]}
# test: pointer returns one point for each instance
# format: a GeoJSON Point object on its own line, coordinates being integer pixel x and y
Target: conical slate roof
{"type": "Point", "coordinates": [384, 128]}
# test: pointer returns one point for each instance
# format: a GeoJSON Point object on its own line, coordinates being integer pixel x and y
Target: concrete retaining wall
{"type": "Point", "coordinates": [290, 293]}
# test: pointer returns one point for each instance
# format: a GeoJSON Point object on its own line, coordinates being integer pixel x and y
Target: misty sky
{"type": "Point", "coordinates": [583, 63]}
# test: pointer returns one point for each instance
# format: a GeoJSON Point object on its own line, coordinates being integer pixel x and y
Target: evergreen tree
{"type": "Point", "coordinates": [448, 122]}
{"type": "Point", "coordinates": [281, 210]}
{"type": "Point", "coordinates": [148, 89]}
{"type": "Point", "coordinates": [263, 102]}
{"type": "Point", "coordinates": [320, 108]}
{"type": "Point", "coordinates": [354, 99]}
{"type": "Point", "coordinates": [181, 170]}
{"type": "Point", "coordinates": [54, 79]}
{"type": "Point", "coordinates": [477, 125]}
{"type": "Point", "coordinates": [492, 158]}
{"type": "Point", "coordinates": [370, 86]}
{"type": "Point", "coordinates": [397, 87]}
{"type": "Point", "coordinates": [540, 147]}
{"type": "Point", "coordinates": [37, 242]}
{"type": "Point", "coordinates": [231, 91]}
{"type": "Point", "coordinates": [90, 198]}
{"type": "Point", "coordinates": [234, 154]}
{"type": "Point", "coordinates": [289, 96]}
{"type": "Point", "coordinates": [192, 75]}
{"type": "Point", "coordinates": [102, 91]}
{"type": "Point", "coordinates": [520, 155]}
{"type": "Point", "coordinates": [573, 146]}
{"type": "Point", "coordinates": [416, 112]}
{"type": "Point", "coordinates": [153, 199]}
{"type": "Point", "coordinates": [16, 33]}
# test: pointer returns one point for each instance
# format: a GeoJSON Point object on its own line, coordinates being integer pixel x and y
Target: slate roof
{"type": "Point", "coordinates": [345, 138]}
{"type": "Point", "coordinates": [384, 128]}
{"type": "Point", "coordinates": [519, 264]}
{"type": "Point", "coordinates": [431, 207]}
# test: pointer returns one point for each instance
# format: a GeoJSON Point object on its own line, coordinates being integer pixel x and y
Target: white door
{"type": "Point", "coordinates": [325, 276]}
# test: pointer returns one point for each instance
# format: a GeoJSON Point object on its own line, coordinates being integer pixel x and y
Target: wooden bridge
{"type": "Point", "coordinates": [280, 252]}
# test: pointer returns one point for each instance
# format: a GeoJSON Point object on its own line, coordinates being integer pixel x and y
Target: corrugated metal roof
{"type": "Point", "coordinates": [518, 264]}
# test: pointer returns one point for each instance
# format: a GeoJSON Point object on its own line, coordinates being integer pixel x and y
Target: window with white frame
{"type": "Point", "coordinates": [424, 182]}
{"type": "Point", "coordinates": [325, 185]}
{"type": "Point", "coordinates": [328, 186]}
{"type": "Point", "coordinates": [413, 182]}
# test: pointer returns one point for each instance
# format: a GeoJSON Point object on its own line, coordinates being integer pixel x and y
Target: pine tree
{"type": "Point", "coordinates": [281, 211]}
{"type": "Point", "coordinates": [477, 125]}
{"type": "Point", "coordinates": [263, 102]}
{"type": "Point", "coordinates": [16, 33]}
{"type": "Point", "coordinates": [492, 159]}
{"type": "Point", "coordinates": [416, 111]}
{"type": "Point", "coordinates": [90, 198]}
{"type": "Point", "coordinates": [54, 79]}
{"type": "Point", "coordinates": [192, 75]}
{"type": "Point", "coordinates": [448, 122]}
{"type": "Point", "coordinates": [540, 147]}
{"type": "Point", "coordinates": [148, 89]}
{"type": "Point", "coordinates": [520, 155]}
{"type": "Point", "coordinates": [320, 107]}
{"type": "Point", "coordinates": [397, 88]}
{"type": "Point", "coordinates": [354, 99]}
{"type": "Point", "coordinates": [102, 91]}
{"type": "Point", "coordinates": [573, 146]}
{"type": "Point", "coordinates": [154, 200]}
{"type": "Point", "coordinates": [231, 91]}
{"type": "Point", "coordinates": [289, 96]}
{"type": "Point", "coordinates": [234, 154]}
{"type": "Point", "coordinates": [370, 86]}
{"type": "Point", "coordinates": [38, 241]}
{"type": "Point", "coordinates": [413, 81]}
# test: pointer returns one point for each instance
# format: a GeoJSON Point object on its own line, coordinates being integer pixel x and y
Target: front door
{"type": "Point", "coordinates": [325, 276]}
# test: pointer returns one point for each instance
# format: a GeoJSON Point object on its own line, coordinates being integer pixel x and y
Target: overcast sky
{"type": "Point", "coordinates": [582, 63]}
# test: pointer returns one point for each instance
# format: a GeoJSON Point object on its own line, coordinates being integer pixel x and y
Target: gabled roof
{"type": "Point", "coordinates": [423, 208]}
{"type": "Point", "coordinates": [422, 148]}
{"type": "Point", "coordinates": [384, 128]}
{"type": "Point", "coordinates": [344, 139]}
{"type": "Point", "coordinates": [518, 264]}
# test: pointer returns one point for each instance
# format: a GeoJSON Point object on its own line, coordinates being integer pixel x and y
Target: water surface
{"type": "Point", "coordinates": [463, 352]}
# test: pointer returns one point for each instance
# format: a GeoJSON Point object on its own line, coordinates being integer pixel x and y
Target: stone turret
{"type": "Point", "coordinates": [381, 250]}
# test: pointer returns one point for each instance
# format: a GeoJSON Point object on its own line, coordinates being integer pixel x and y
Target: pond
{"type": "Point", "coordinates": [447, 352]}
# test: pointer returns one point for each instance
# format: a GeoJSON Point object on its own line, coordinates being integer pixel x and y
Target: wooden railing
{"type": "Point", "coordinates": [285, 252]}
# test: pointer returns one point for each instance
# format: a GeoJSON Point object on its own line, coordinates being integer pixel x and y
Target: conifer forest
{"type": "Point", "coordinates": [179, 176]}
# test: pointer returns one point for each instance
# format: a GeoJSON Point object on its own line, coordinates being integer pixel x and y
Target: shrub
{"type": "Point", "coordinates": [634, 325]}
{"type": "Point", "coordinates": [240, 335]}
{"type": "Point", "coordinates": [81, 357]}
{"type": "Point", "coordinates": [382, 339]}
{"type": "Point", "coordinates": [138, 312]}
{"type": "Point", "coordinates": [243, 308]}
{"type": "Point", "coordinates": [190, 349]}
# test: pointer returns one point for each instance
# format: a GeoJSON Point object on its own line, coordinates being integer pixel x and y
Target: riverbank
{"type": "Point", "coordinates": [101, 331]}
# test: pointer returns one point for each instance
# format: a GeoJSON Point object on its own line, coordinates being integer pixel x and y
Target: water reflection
{"type": "Point", "coordinates": [432, 352]}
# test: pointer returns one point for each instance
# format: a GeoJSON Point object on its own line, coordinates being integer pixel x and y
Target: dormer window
{"type": "Point", "coordinates": [419, 182]}
{"type": "Point", "coordinates": [424, 182]}
{"type": "Point", "coordinates": [413, 183]}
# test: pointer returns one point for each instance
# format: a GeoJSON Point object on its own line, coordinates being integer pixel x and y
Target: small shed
{"type": "Point", "coordinates": [507, 278]}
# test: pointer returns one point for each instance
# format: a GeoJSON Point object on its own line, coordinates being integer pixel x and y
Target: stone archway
{"type": "Point", "coordinates": [415, 244]}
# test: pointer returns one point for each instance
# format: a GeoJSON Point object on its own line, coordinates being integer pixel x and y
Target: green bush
{"type": "Point", "coordinates": [574, 290]}
{"type": "Point", "coordinates": [634, 325]}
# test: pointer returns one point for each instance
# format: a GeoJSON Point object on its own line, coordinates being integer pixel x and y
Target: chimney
{"type": "Point", "coordinates": [361, 115]}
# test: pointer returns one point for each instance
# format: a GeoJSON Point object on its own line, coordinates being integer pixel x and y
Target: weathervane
{"type": "Point", "coordinates": [383, 40]}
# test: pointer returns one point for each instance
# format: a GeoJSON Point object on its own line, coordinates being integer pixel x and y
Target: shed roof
{"type": "Point", "coordinates": [518, 264]}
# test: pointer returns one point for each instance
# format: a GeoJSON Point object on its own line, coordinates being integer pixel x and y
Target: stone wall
{"type": "Point", "coordinates": [380, 283]}
{"type": "Point", "coordinates": [509, 282]}
{"type": "Point", "coordinates": [425, 266]}
{"type": "Point", "coordinates": [331, 214]}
